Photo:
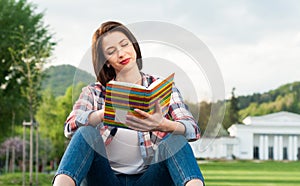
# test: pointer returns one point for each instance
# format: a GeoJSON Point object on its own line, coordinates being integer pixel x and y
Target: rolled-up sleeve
{"type": "Point", "coordinates": [180, 113]}
{"type": "Point", "coordinates": [82, 108]}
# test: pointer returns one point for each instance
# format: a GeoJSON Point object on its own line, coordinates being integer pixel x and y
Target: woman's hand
{"type": "Point", "coordinates": [152, 122]}
{"type": "Point", "coordinates": [96, 117]}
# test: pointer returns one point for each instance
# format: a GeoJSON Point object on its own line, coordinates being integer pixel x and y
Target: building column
{"type": "Point", "coordinates": [280, 148]}
{"type": "Point", "coordinates": [290, 148]}
{"type": "Point", "coordinates": [261, 147]}
{"type": "Point", "coordinates": [266, 147]}
{"type": "Point", "coordinates": [275, 148]}
{"type": "Point", "coordinates": [295, 147]}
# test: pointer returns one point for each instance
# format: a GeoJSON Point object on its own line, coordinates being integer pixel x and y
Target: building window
{"type": "Point", "coordinates": [271, 153]}
{"type": "Point", "coordinates": [285, 153]}
{"type": "Point", "coordinates": [256, 152]}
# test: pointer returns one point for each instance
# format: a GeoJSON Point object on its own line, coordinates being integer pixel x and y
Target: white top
{"type": "Point", "coordinates": [124, 153]}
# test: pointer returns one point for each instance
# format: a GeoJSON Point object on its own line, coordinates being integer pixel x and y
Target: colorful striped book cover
{"type": "Point", "coordinates": [122, 98]}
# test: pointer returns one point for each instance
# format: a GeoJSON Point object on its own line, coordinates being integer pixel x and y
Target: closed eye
{"type": "Point", "coordinates": [124, 43]}
{"type": "Point", "coordinates": [111, 50]}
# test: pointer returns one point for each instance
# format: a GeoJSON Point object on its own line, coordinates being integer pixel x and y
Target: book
{"type": "Point", "coordinates": [122, 98]}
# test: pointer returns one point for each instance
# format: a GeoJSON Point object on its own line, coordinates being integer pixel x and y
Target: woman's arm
{"type": "Point", "coordinates": [96, 117]}
{"type": "Point", "coordinates": [84, 112]}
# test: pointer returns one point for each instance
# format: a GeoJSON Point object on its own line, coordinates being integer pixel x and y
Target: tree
{"type": "Point", "coordinates": [232, 113]}
{"type": "Point", "coordinates": [46, 116]}
{"type": "Point", "coordinates": [12, 146]}
{"type": "Point", "coordinates": [234, 108]}
{"type": "Point", "coordinates": [51, 116]}
{"type": "Point", "coordinates": [204, 115]}
{"type": "Point", "coordinates": [25, 46]}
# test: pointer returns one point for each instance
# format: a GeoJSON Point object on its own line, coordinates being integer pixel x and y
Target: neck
{"type": "Point", "coordinates": [131, 76]}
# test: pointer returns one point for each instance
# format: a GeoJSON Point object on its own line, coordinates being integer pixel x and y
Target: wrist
{"type": "Point", "coordinates": [172, 126]}
{"type": "Point", "coordinates": [162, 125]}
{"type": "Point", "coordinates": [101, 115]}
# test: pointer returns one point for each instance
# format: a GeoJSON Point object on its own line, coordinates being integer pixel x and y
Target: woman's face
{"type": "Point", "coordinates": [119, 51]}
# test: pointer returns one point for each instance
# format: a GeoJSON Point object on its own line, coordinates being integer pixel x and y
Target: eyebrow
{"type": "Point", "coordinates": [111, 47]}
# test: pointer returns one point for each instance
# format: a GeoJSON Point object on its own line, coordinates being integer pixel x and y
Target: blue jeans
{"type": "Point", "coordinates": [85, 157]}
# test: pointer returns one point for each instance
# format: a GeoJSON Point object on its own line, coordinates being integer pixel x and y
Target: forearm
{"type": "Point", "coordinates": [172, 126]}
{"type": "Point", "coordinates": [96, 117]}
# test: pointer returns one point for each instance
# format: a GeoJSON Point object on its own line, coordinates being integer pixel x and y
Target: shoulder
{"type": "Point", "coordinates": [94, 87]}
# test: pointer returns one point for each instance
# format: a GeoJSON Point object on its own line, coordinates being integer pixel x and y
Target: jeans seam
{"type": "Point", "coordinates": [181, 173]}
{"type": "Point", "coordinates": [83, 162]}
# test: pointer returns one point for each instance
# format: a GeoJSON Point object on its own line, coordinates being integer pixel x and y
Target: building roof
{"type": "Point", "coordinates": [274, 119]}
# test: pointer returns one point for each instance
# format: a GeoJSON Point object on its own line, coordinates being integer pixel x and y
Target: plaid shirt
{"type": "Point", "coordinates": [92, 99]}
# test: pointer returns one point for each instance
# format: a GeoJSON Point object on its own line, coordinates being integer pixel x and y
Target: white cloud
{"type": "Point", "coordinates": [256, 43]}
{"type": "Point", "coordinates": [262, 66]}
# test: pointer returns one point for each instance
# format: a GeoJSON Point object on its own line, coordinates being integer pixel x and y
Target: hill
{"type": "Point", "coordinates": [284, 98]}
{"type": "Point", "coordinates": [59, 78]}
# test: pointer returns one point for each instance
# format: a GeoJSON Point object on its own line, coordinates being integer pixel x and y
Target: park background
{"type": "Point", "coordinates": [256, 45]}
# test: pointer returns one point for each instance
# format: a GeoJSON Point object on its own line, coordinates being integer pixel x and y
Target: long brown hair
{"type": "Point", "coordinates": [102, 71]}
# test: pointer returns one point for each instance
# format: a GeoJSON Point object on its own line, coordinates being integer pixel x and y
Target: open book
{"type": "Point", "coordinates": [122, 98]}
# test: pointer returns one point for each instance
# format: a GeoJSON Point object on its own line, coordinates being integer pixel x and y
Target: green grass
{"type": "Point", "coordinates": [249, 173]}
{"type": "Point", "coordinates": [15, 179]}
{"type": "Point", "coordinates": [216, 173]}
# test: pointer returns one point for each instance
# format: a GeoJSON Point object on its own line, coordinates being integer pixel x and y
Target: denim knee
{"type": "Point", "coordinates": [92, 137]}
{"type": "Point", "coordinates": [171, 145]}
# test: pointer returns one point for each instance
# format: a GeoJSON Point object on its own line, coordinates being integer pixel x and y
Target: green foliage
{"type": "Point", "coordinates": [270, 96]}
{"type": "Point", "coordinates": [227, 119]}
{"type": "Point", "coordinates": [208, 116]}
{"type": "Point", "coordinates": [15, 179]}
{"type": "Point", "coordinates": [62, 76]}
{"type": "Point", "coordinates": [51, 116]}
{"type": "Point", "coordinates": [24, 48]}
{"type": "Point", "coordinates": [232, 111]}
{"type": "Point", "coordinates": [284, 98]}
{"type": "Point", "coordinates": [48, 122]}
{"type": "Point", "coordinates": [233, 108]}
{"type": "Point", "coordinates": [287, 102]}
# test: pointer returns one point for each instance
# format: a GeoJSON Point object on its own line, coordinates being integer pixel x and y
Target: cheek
{"type": "Point", "coordinates": [133, 53]}
{"type": "Point", "coordinates": [111, 59]}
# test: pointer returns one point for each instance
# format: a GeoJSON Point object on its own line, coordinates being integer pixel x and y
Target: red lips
{"type": "Point", "coordinates": [125, 61]}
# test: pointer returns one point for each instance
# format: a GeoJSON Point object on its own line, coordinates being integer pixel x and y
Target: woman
{"type": "Point", "coordinates": [154, 152]}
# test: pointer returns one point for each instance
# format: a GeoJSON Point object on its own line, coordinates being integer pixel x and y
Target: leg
{"type": "Point", "coordinates": [63, 179]}
{"type": "Point", "coordinates": [157, 174]}
{"type": "Point", "coordinates": [174, 161]}
{"type": "Point", "coordinates": [84, 154]}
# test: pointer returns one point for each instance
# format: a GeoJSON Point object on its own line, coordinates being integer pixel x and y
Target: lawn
{"type": "Point", "coordinates": [216, 173]}
{"type": "Point", "coordinates": [250, 173]}
{"type": "Point", "coordinates": [15, 179]}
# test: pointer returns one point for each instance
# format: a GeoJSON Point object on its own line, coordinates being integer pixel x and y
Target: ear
{"type": "Point", "coordinates": [108, 65]}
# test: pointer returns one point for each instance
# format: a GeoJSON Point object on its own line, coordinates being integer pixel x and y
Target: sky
{"type": "Point", "coordinates": [256, 44]}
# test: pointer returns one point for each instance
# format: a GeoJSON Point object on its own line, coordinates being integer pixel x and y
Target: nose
{"type": "Point", "coordinates": [121, 53]}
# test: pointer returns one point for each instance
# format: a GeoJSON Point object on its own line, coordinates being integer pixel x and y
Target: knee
{"type": "Point", "coordinates": [174, 141]}
{"type": "Point", "coordinates": [176, 138]}
{"type": "Point", "coordinates": [63, 179]}
{"type": "Point", "coordinates": [171, 146]}
{"type": "Point", "coordinates": [89, 134]}
{"type": "Point", "coordinates": [86, 131]}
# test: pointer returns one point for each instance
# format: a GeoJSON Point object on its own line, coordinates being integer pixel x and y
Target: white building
{"type": "Point", "coordinates": [270, 137]}
{"type": "Point", "coordinates": [216, 148]}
